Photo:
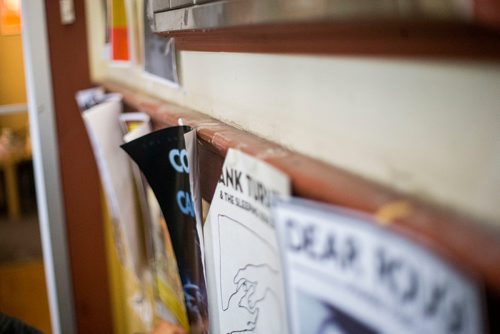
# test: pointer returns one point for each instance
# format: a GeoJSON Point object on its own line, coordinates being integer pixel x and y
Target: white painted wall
{"type": "Point", "coordinates": [429, 128]}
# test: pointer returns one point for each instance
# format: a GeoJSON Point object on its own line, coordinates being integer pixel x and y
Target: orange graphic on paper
{"type": "Point", "coordinates": [119, 31]}
{"type": "Point", "coordinates": [10, 17]}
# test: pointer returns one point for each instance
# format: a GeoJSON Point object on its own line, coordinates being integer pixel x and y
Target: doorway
{"type": "Point", "coordinates": [23, 292]}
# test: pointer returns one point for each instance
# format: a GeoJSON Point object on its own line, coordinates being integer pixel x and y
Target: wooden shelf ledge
{"type": "Point", "coordinates": [374, 38]}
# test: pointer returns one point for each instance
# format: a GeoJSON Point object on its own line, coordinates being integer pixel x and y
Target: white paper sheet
{"type": "Point", "coordinates": [243, 265]}
{"type": "Point", "coordinates": [344, 274]}
{"type": "Point", "coordinates": [194, 181]}
{"type": "Point", "coordinates": [142, 127]}
{"type": "Point", "coordinates": [103, 126]}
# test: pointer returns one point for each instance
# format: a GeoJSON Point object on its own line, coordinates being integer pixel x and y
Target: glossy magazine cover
{"type": "Point", "coordinates": [167, 288]}
{"type": "Point", "coordinates": [162, 158]}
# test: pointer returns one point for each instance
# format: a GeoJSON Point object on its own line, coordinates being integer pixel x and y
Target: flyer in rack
{"type": "Point", "coordinates": [345, 274]}
{"type": "Point", "coordinates": [242, 259]}
{"type": "Point", "coordinates": [105, 133]}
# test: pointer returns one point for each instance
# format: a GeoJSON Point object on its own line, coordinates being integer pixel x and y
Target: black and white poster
{"type": "Point", "coordinates": [345, 274]}
{"type": "Point", "coordinates": [242, 258]}
{"type": "Point", "coordinates": [162, 158]}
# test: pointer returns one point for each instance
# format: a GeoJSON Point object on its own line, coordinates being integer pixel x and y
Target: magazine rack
{"type": "Point", "coordinates": [465, 243]}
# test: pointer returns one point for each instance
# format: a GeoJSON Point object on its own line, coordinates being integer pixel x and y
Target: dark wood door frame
{"type": "Point", "coordinates": [80, 181]}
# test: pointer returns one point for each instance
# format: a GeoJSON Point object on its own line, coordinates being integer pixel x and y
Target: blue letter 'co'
{"type": "Point", "coordinates": [184, 202]}
{"type": "Point", "coordinates": [178, 160]}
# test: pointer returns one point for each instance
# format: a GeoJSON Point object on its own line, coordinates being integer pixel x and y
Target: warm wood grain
{"type": "Point", "coordinates": [435, 39]}
{"type": "Point", "coordinates": [487, 12]}
{"type": "Point", "coordinates": [80, 181]}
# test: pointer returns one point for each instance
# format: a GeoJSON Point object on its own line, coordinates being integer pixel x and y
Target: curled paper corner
{"type": "Point", "coordinates": [392, 211]}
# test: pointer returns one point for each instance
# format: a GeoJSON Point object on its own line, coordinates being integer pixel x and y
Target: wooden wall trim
{"type": "Point", "coordinates": [487, 12]}
{"type": "Point", "coordinates": [365, 38]}
{"type": "Point", "coordinates": [464, 242]}
{"type": "Point", "coordinates": [80, 181]}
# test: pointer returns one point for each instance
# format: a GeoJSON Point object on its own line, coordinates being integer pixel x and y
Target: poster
{"type": "Point", "coordinates": [162, 158]}
{"type": "Point", "coordinates": [105, 133]}
{"type": "Point", "coordinates": [159, 54]}
{"type": "Point", "coordinates": [242, 259]}
{"type": "Point", "coordinates": [345, 274]}
{"type": "Point", "coordinates": [10, 17]}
